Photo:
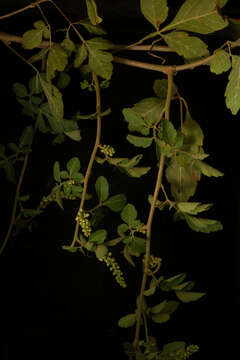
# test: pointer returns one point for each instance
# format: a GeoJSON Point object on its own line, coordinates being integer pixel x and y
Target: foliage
{"type": "Point", "coordinates": [177, 147]}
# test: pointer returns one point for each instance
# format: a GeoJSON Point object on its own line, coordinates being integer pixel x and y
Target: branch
{"type": "Point", "coordinates": [92, 158]}
{"type": "Point", "coordinates": [30, 6]}
{"type": "Point", "coordinates": [150, 219]}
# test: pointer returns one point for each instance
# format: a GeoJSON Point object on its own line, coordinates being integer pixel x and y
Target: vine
{"type": "Point", "coordinates": [178, 147]}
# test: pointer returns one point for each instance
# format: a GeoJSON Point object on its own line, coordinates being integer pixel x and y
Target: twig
{"type": "Point", "coordinates": [30, 6]}
{"type": "Point", "coordinates": [150, 219]}
{"type": "Point", "coordinates": [92, 158]}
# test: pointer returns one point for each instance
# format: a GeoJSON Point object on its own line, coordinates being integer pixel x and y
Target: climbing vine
{"type": "Point", "coordinates": [177, 143]}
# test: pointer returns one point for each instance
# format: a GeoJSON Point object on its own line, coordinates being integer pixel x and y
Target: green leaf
{"type": "Point", "coordinates": [10, 172]}
{"type": "Point", "coordinates": [166, 285]}
{"type": "Point", "coordinates": [116, 202]}
{"type": "Point", "coordinates": [24, 198]}
{"type": "Point", "coordinates": [59, 199]}
{"type": "Point", "coordinates": [137, 171]}
{"type": "Point", "coordinates": [154, 11]}
{"type": "Point", "coordinates": [150, 109]}
{"type": "Point", "coordinates": [101, 251]}
{"type": "Point", "coordinates": [135, 121]}
{"type": "Point", "coordinates": [68, 45]}
{"type": "Point", "coordinates": [186, 286]}
{"type": "Point", "coordinates": [74, 135]}
{"type": "Point", "coordinates": [122, 228]}
{"type": "Point", "coordinates": [39, 56]}
{"type": "Point", "coordinates": [32, 38]}
{"type": "Point", "coordinates": [31, 212]}
{"type": "Point", "coordinates": [169, 132]}
{"type": "Point", "coordinates": [127, 254]}
{"type": "Point", "coordinates": [163, 148]}
{"type": "Point", "coordinates": [63, 80]}
{"type": "Point", "coordinates": [208, 170]}
{"type": "Point", "coordinates": [220, 63]}
{"type": "Point", "coordinates": [193, 208]}
{"type": "Point", "coordinates": [13, 147]}
{"type": "Point", "coordinates": [193, 135]}
{"type": "Point", "coordinates": [159, 307]}
{"type": "Point", "coordinates": [93, 29]}
{"type": "Point", "coordinates": [73, 165]}
{"type": "Point", "coordinates": [26, 136]}
{"type": "Point", "coordinates": [92, 12]}
{"type": "Point", "coordinates": [2, 150]}
{"type": "Point", "coordinates": [201, 17]}
{"type": "Point", "coordinates": [232, 92]}
{"type": "Point", "coordinates": [20, 90]}
{"type": "Point", "coordinates": [70, 248]}
{"type": "Point", "coordinates": [80, 56]}
{"type": "Point", "coordinates": [139, 141]}
{"type": "Point", "coordinates": [77, 176]}
{"type": "Point", "coordinates": [129, 214]}
{"type": "Point", "coordinates": [152, 288]}
{"type": "Point", "coordinates": [138, 245]}
{"type": "Point", "coordinates": [127, 320]}
{"type": "Point", "coordinates": [160, 87]}
{"type": "Point", "coordinates": [56, 171]}
{"type": "Point", "coordinates": [203, 225]}
{"type": "Point", "coordinates": [57, 60]}
{"type": "Point", "coordinates": [190, 47]}
{"type": "Point", "coordinates": [34, 85]}
{"type": "Point", "coordinates": [183, 180]}
{"type": "Point", "coordinates": [42, 26]}
{"type": "Point", "coordinates": [100, 43]}
{"type": "Point", "coordinates": [173, 347]}
{"type": "Point", "coordinates": [54, 98]}
{"type": "Point", "coordinates": [187, 296]}
{"type": "Point", "coordinates": [100, 62]}
{"type": "Point", "coordinates": [64, 175]}
{"type": "Point", "coordinates": [129, 163]}
{"type": "Point", "coordinates": [102, 188]}
{"type": "Point", "coordinates": [98, 236]}
{"type": "Point", "coordinates": [171, 307]}
{"type": "Point", "coordinates": [41, 124]}
{"type": "Point", "coordinates": [160, 318]}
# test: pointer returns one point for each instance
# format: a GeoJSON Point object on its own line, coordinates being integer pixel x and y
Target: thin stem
{"type": "Point", "coordinates": [150, 219]}
{"type": "Point", "coordinates": [30, 6]}
{"type": "Point", "coordinates": [145, 327]}
{"type": "Point", "coordinates": [17, 193]}
{"type": "Point", "coordinates": [92, 158]}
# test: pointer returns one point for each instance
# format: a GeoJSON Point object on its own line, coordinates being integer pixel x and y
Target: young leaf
{"type": "Point", "coordinates": [32, 38]}
{"type": "Point", "coordinates": [57, 60]}
{"type": "Point", "coordinates": [169, 132]}
{"type": "Point", "coordinates": [73, 165]}
{"type": "Point", "coordinates": [101, 251]}
{"type": "Point", "coordinates": [70, 248]}
{"type": "Point", "coordinates": [76, 190]}
{"type": "Point", "coordinates": [127, 254]}
{"type": "Point", "coordinates": [20, 90]}
{"type": "Point", "coordinates": [80, 56]}
{"type": "Point", "coordinates": [154, 11]}
{"type": "Point", "coordinates": [208, 170]}
{"type": "Point", "coordinates": [127, 320]}
{"type": "Point", "coordinates": [26, 136]}
{"type": "Point", "coordinates": [201, 17]}
{"type": "Point", "coordinates": [102, 188]}
{"type": "Point", "coordinates": [56, 171]}
{"type": "Point", "coordinates": [74, 135]}
{"type": "Point", "coordinates": [92, 12]}
{"type": "Point", "coordinates": [137, 171]}
{"type": "Point", "coordinates": [203, 225]}
{"type": "Point", "coordinates": [232, 92]}
{"type": "Point", "coordinates": [98, 236]}
{"type": "Point", "coordinates": [187, 296]}
{"type": "Point", "coordinates": [139, 141]}
{"type": "Point", "coordinates": [220, 63]}
{"type": "Point", "coordinates": [129, 214]}
{"type": "Point", "coordinates": [64, 175]}
{"type": "Point", "coordinates": [122, 228]}
{"type": "Point", "coordinates": [116, 202]}
{"type": "Point", "coordinates": [160, 318]}
{"type": "Point", "coordinates": [190, 47]}
{"type": "Point", "coordinates": [59, 199]}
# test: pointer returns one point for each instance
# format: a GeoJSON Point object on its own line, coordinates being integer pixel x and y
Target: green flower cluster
{"type": "Point", "coordinates": [107, 150]}
{"type": "Point", "coordinates": [184, 354]}
{"type": "Point", "coordinates": [114, 267]}
{"type": "Point", "coordinates": [84, 222]}
{"type": "Point", "coordinates": [154, 261]}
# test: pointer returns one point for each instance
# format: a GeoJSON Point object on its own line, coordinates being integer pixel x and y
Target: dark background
{"type": "Point", "coordinates": [60, 305]}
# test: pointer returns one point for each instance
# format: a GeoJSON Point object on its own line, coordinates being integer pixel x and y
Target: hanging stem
{"type": "Point", "coordinates": [150, 219]}
{"type": "Point", "coordinates": [92, 158]}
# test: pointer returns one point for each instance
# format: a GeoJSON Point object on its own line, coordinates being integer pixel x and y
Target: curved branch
{"type": "Point", "coordinates": [30, 6]}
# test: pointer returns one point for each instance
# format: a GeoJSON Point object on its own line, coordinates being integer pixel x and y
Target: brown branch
{"type": "Point", "coordinates": [30, 6]}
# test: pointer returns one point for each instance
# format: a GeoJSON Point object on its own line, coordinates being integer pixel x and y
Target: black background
{"type": "Point", "coordinates": [60, 305]}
